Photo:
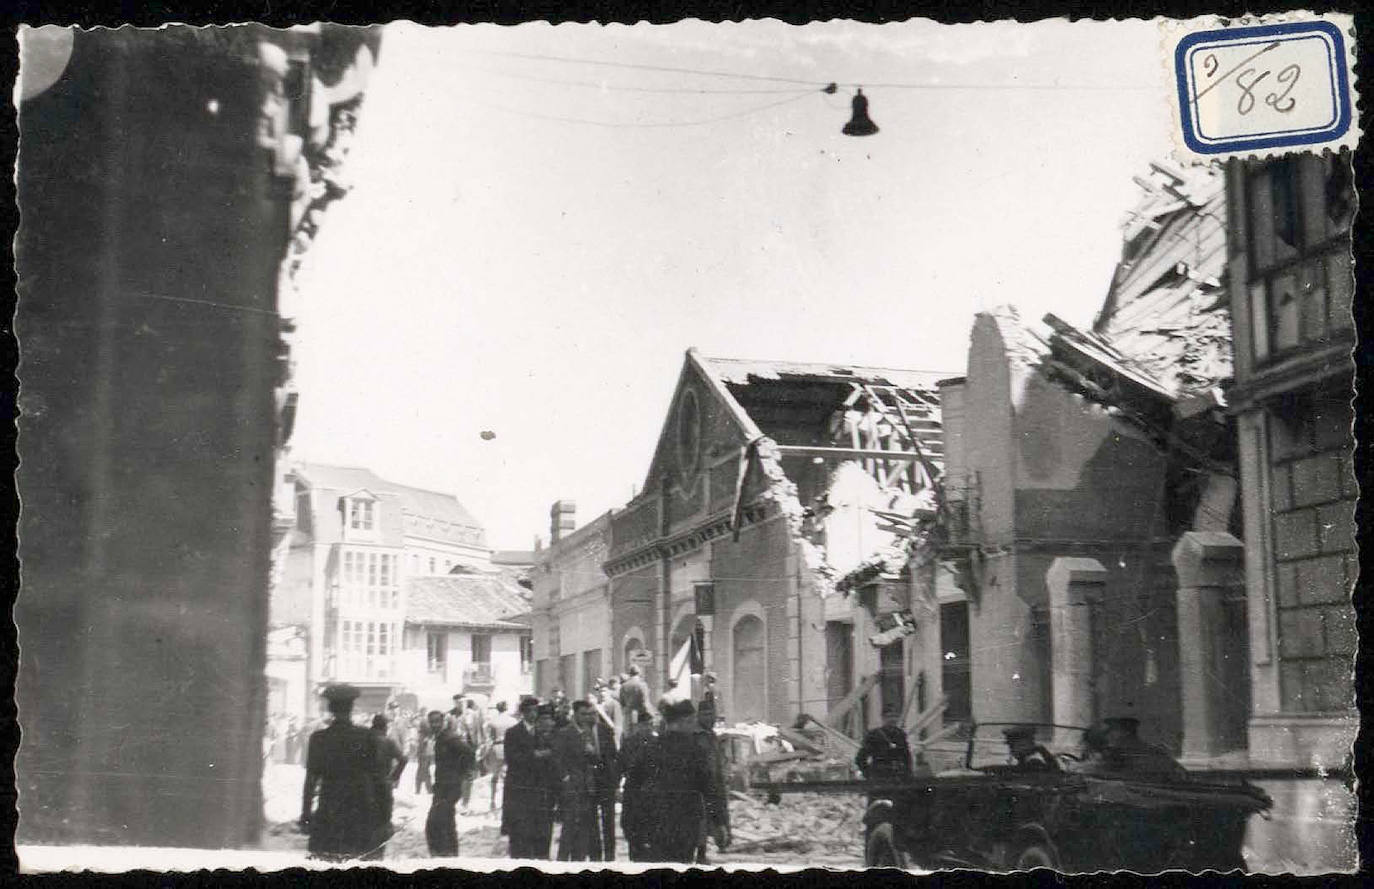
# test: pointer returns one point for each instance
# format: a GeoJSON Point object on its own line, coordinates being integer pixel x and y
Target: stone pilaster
{"type": "Point", "coordinates": [1074, 584]}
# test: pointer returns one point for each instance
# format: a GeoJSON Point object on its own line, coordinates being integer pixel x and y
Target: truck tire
{"type": "Point", "coordinates": [880, 848]}
{"type": "Point", "coordinates": [1032, 854]}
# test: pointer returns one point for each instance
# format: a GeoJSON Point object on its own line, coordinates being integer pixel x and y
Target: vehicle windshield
{"type": "Point", "coordinates": [990, 746]}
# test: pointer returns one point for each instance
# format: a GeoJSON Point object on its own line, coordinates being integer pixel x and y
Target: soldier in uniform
{"type": "Point", "coordinates": [1028, 754]}
{"type": "Point", "coordinates": [674, 777]}
{"type": "Point", "coordinates": [885, 754]}
{"type": "Point", "coordinates": [1127, 751]}
{"type": "Point", "coordinates": [339, 805]}
{"type": "Point", "coordinates": [715, 822]}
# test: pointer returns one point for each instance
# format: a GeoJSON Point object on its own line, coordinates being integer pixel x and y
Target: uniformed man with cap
{"type": "Point", "coordinates": [339, 805]}
{"type": "Point", "coordinates": [1127, 751]}
{"type": "Point", "coordinates": [885, 754]}
{"type": "Point", "coordinates": [1028, 754]}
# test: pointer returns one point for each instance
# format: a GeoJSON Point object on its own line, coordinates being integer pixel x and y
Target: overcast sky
{"type": "Point", "coordinates": [532, 244]}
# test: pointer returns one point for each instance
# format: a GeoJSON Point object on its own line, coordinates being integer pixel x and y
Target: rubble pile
{"type": "Point", "coordinates": [814, 828]}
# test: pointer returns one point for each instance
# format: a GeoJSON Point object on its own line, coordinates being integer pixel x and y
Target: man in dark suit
{"type": "Point", "coordinates": [586, 757]}
{"type": "Point", "coordinates": [527, 804]}
{"type": "Point", "coordinates": [340, 765]}
{"type": "Point", "coordinates": [674, 775]}
{"type": "Point", "coordinates": [454, 764]}
{"type": "Point", "coordinates": [634, 696]}
{"type": "Point", "coordinates": [632, 821]}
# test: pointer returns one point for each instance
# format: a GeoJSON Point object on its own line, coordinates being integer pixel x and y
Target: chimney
{"type": "Point", "coordinates": [562, 519]}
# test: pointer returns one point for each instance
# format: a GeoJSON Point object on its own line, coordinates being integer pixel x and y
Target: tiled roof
{"type": "Point", "coordinates": [482, 601]}
{"type": "Point", "coordinates": [417, 501]}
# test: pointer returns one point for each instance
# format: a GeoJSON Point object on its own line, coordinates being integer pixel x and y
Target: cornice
{"type": "Point", "coordinates": [693, 538]}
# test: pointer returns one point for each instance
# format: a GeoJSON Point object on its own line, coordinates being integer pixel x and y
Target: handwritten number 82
{"type": "Point", "coordinates": [1249, 79]}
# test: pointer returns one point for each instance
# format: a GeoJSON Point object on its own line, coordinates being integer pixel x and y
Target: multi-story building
{"type": "Point", "coordinates": [770, 480]}
{"type": "Point", "coordinates": [361, 547]}
{"type": "Point", "coordinates": [171, 180]}
{"type": "Point", "coordinates": [1077, 461]}
{"type": "Point", "coordinates": [571, 615]}
{"type": "Point", "coordinates": [1291, 291]}
{"type": "Point", "coordinates": [1291, 288]}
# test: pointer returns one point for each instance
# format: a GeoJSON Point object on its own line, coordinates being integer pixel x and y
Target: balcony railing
{"type": "Point", "coordinates": [478, 675]}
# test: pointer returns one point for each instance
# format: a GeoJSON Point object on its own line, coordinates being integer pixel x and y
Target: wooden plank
{"type": "Point", "coordinates": [834, 719]}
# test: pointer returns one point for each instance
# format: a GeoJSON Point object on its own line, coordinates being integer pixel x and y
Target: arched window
{"type": "Point", "coordinates": [748, 670]}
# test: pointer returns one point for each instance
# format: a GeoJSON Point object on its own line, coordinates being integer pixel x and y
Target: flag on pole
{"type": "Point", "coordinates": [686, 663]}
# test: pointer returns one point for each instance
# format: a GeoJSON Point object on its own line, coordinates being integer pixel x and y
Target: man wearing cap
{"type": "Point", "coordinates": [527, 806]}
{"type": "Point", "coordinates": [1127, 751]}
{"type": "Point", "coordinates": [885, 754]}
{"type": "Point", "coordinates": [675, 780]}
{"type": "Point", "coordinates": [1028, 754]}
{"type": "Point", "coordinates": [339, 804]}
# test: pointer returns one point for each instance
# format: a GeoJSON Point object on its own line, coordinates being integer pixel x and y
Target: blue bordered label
{"type": "Point", "coordinates": [1264, 87]}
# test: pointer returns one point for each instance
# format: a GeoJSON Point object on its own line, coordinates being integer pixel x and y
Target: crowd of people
{"type": "Point", "coordinates": [558, 762]}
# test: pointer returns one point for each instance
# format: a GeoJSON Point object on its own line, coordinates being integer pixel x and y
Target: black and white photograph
{"type": "Point", "coordinates": [693, 445]}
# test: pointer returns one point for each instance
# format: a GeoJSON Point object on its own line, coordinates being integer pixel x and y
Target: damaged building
{"type": "Point", "coordinates": [771, 480]}
{"type": "Point", "coordinates": [1082, 466]}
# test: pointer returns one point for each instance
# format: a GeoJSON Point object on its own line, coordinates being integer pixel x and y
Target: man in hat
{"type": "Point", "coordinates": [339, 804]}
{"type": "Point", "coordinates": [885, 754]}
{"type": "Point", "coordinates": [586, 758]}
{"type": "Point", "coordinates": [454, 763]}
{"type": "Point", "coordinates": [527, 806]}
{"type": "Point", "coordinates": [632, 751]}
{"type": "Point", "coordinates": [634, 695]}
{"type": "Point", "coordinates": [674, 777]}
{"type": "Point", "coordinates": [1026, 752]}
{"type": "Point", "coordinates": [562, 708]}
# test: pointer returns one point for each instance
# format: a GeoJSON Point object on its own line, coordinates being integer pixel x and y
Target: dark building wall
{"type": "Point", "coordinates": [155, 220]}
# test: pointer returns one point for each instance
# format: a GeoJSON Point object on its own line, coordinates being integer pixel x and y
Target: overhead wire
{"type": "Point", "coordinates": [817, 84]}
{"type": "Point", "coordinates": [620, 87]}
{"type": "Point", "coordinates": [642, 124]}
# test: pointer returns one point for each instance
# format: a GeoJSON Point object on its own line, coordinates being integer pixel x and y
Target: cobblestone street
{"type": "Point", "coordinates": [810, 829]}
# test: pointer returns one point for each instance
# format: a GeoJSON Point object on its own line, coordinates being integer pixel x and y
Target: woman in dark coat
{"type": "Point", "coordinates": [340, 766]}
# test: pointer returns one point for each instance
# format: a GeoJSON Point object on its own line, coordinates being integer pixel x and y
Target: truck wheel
{"type": "Point", "coordinates": [881, 850]}
{"type": "Point", "coordinates": [1033, 854]}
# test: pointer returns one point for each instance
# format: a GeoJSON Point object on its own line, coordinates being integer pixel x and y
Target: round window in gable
{"type": "Point", "coordinates": [688, 436]}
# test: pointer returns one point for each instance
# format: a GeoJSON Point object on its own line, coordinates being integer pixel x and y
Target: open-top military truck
{"type": "Point", "coordinates": [991, 814]}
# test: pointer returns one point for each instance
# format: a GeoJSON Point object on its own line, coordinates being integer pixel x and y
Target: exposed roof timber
{"type": "Point", "coordinates": [845, 453]}
{"type": "Point", "coordinates": [1101, 355]}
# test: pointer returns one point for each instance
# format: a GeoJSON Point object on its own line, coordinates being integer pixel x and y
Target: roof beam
{"type": "Point", "coordinates": [844, 453]}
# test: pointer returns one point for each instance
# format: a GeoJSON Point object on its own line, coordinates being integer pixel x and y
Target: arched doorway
{"type": "Point", "coordinates": [749, 698]}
